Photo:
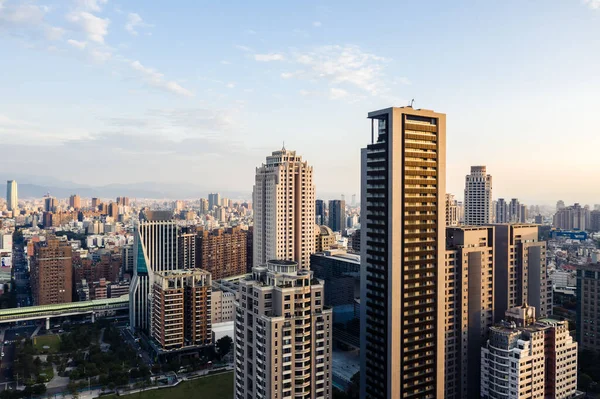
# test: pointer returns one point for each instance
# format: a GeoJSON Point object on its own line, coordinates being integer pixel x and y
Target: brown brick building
{"type": "Point", "coordinates": [103, 265]}
{"type": "Point", "coordinates": [51, 272]}
{"type": "Point", "coordinates": [221, 252]}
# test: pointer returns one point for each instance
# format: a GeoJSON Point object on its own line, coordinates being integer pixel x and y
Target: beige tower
{"type": "Point", "coordinates": [402, 253]}
{"type": "Point", "coordinates": [284, 210]}
{"type": "Point", "coordinates": [282, 334]}
{"type": "Point", "coordinates": [478, 197]}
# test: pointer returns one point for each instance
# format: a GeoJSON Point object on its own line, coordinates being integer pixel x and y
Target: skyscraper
{"type": "Point", "coordinates": [337, 215]}
{"type": "Point", "coordinates": [284, 209]}
{"type": "Point", "coordinates": [514, 211]}
{"type": "Point", "coordinates": [155, 250]}
{"type": "Point", "coordinates": [214, 199]}
{"type": "Point", "coordinates": [478, 197]}
{"type": "Point", "coordinates": [75, 201]}
{"type": "Point", "coordinates": [402, 252]}
{"type": "Point", "coordinates": [12, 197]}
{"type": "Point", "coordinates": [452, 211]}
{"type": "Point", "coordinates": [502, 211]}
{"type": "Point", "coordinates": [52, 271]}
{"type": "Point", "coordinates": [222, 252]}
{"type": "Point", "coordinates": [49, 203]}
{"type": "Point", "coordinates": [320, 212]}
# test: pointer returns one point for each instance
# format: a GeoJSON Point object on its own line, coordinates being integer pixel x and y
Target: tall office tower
{"type": "Point", "coordinates": [469, 270]}
{"type": "Point", "coordinates": [181, 308]}
{"type": "Point", "coordinates": [12, 197]}
{"type": "Point", "coordinates": [452, 212]}
{"type": "Point", "coordinates": [523, 214]}
{"type": "Point", "coordinates": [478, 197]}
{"type": "Point", "coordinates": [574, 217]}
{"type": "Point", "coordinates": [50, 204]}
{"type": "Point", "coordinates": [501, 211]}
{"type": "Point", "coordinates": [403, 185]}
{"type": "Point", "coordinates": [337, 215]}
{"type": "Point", "coordinates": [113, 210]}
{"type": "Point", "coordinates": [284, 209]}
{"type": "Point", "coordinates": [187, 247]}
{"type": "Point", "coordinates": [96, 202]}
{"type": "Point", "coordinates": [156, 250]}
{"type": "Point", "coordinates": [123, 201]}
{"type": "Point", "coordinates": [525, 359]}
{"type": "Point", "coordinates": [203, 206]}
{"type": "Point", "coordinates": [514, 211]}
{"type": "Point", "coordinates": [222, 252]}
{"type": "Point", "coordinates": [588, 319]}
{"type": "Point", "coordinates": [324, 238]}
{"type": "Point", "coordinates": [320, 212]}
{"type": "Point", "coordinates": [52, 272]}
{"type": "Point", "coordinates": [282, 334]}
{"type": "Point", "coordinates": [214, 199]}
{"type": "Point", "coordinates": [127, 259]}
{"type": "Point", "coordinates": [75, 201]}
{"type": "Point", "coordinates": [560, 204]}
{"type": "Point", "coordinates": [520, 275]}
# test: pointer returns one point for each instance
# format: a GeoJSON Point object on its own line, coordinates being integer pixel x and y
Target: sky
{"type": "Point", "coordinates": [199, 93]}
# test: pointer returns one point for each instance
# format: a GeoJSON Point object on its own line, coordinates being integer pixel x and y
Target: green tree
{"type": "Point", "coordinates": [224, 345]}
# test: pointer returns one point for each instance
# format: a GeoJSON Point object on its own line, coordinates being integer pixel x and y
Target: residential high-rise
{"type": "Point", "coordinates": [187, 248]}
{"type": "Point", "coordinates": [514, 211]}
{"type": "Point", "coordinates": [113, 210]}
{"type": "Point", "coordinates": [560, 204]}
{"type": "Point", "coordinates": [337, 215]}
{"type": "Point", "coordinates": [574, 217]}
{"type": "Point", "coordinates": [324, 238]}
{"type": "Point", "coordinates": [403, 183]}
{"type": "Point", "coordinates": [181, 309]}
{"type": "Point", "coordinates": [452, 212]}
{"type": "Point", "coordinates": [478, 197]}
{"type": "Point", "coordinates": [52, 271]}
{"type": "Point", "coordinates": [50, 204]}
{"type": "Point", "coordinates": [588, 319]}
{"type": "Point", "coordinates": [469, 305]}
{"type": "Point", "coordinates": [222, 252]}
{"type": "Point", "coordinates": [320, 212]}
{"type": "Point", "coordinates": [156, 250]}
{"type": "Point", "coordinates": [96, 202]}
{"type": "Point", "coordinates": [75, 201]}
{"type": "Point", "coordinates": [520, 275]}
{"type": "Point", "coordinates": [284, 209]}
{"type": "Point", "coordinates": [525, 359]}
{"type": "Point", "coordinates": [282, 334]}
{"type": "Point", "coordinates": [12, 197]}
{"type": "Point", "coordinates": [502, 211]}
{"type": "Point", "coordinates": [203, 206]}
{"type": "Point", "coordinates": [214, 199]}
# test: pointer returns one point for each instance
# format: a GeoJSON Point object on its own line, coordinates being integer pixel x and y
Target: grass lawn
{"type": "Point", "coordinates": [53, 341]}
{"type": "Point", "coordinates": [219, 386]}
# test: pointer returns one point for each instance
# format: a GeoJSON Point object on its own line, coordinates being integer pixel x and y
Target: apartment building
{"type": "Point", "coordinates": [222, 252]}
{"type": "Point", "coordinates": [52, 271]}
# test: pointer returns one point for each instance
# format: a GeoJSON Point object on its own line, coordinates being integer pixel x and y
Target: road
{"type": "Point", "coordinates": [7, 347]}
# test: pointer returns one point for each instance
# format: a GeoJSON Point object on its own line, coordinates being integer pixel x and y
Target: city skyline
{"type": "Point", "coordinates": [220, 108]}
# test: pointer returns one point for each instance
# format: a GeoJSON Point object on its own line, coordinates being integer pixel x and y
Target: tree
{"type": "Point", "coordinates": [224, 345]}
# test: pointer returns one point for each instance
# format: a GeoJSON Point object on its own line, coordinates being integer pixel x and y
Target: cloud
{"type": "Point", "coordinates": [269, 57]}
{"type": "Point", "coordinates": [91, 5]}
{"type": "Point", "coordinates": [230, 85]}
{"type": "Point", "coordinates": [133, 21]}
{"type": "Point", "coordinates": [156, 79]}
{"type": "Point", "coordinates": [317, 24]}
{"type": "Point", "coordinates": [27, 20]}
{"type": "Point", "coordinates": [336, 93]}
{"type": "Point", "coordinates": [21, 14]}
{"type": "Point", "coordinates": [77, 44]}
{"type": "Point", "coordinates": [287, 75]}
{"type": "Point", "coordinates": [54, 33]}
{"type": "Point", "coordinates": [94, 27]}
{"type": "Point", "coordinates": [593, 4]}
{"type": "Point", "coordinates": [100, 56]}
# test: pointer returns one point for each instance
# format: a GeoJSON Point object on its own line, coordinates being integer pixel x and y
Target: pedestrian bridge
{"type": "Point", "coordinates": [96, 308]}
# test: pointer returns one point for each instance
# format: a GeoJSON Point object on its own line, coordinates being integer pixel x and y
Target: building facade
{"type": "Point", "coordinates": [478, 197]}
{"type": "Point", "coordinates": [187, 248]}
{"type": "Point", "coordinates": [452, 211]}
{"type": "Point", "coordinates": [284, 209]}
{"type": "Point", "coordinates": [574, 217]}
{"type": "Point", "coordinates": [325, 238]}
{"type": "Point", "coordinates": [52, 272]}
{"type": "Point", "coordinates": [320, 218]}
{"type": "Point", "coordinates": [12, 196]}
{"type": "Point", "coordinates": [181, 308]}
{"type": "Point", "coordinates": [588, 320]}
{"type": "Point", "coordinates": [502, 211]}
{"type": "Point", "coordinates": [282, 334]}
{"type": "Point", "coordinates": [222, 252]}
{"type": "Point", "coordinates": [155, 250]}
{"type": "Point", "coordinates": [337, 215]}
{"type": "Point", "coordinates": [341, 273]}
{"type": "Point", "coordinates": [402, 254]}
{"type": "Point", "coordinates": [75, 201]}
{"type": "Point", "coordinates": [469, 269]}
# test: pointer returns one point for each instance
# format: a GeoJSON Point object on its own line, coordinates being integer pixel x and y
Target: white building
{"type": "Point", "coordinates": [282, 334]}
{"type": "Point", "coordinates": [478, 197]}
{"type": "Point", "coordinates": [284, 210]}
{"type": "Point", "coordinates": [452, 211]}
{"type": "Point", "coordinates": [12, 197]}
{"type": "Point", "coordinates": [222, 306]}
{"type": "Point", "coordinates": [525, 359]}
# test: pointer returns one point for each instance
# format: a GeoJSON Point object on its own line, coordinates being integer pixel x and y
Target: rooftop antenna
{"type": "Point", "coordinates": [412, 102]}
{"type": "Point", "coordinates": [283, 148]}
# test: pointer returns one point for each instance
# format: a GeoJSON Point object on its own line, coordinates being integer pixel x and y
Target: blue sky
{"type": "Point", "coordinates": [195, 92]}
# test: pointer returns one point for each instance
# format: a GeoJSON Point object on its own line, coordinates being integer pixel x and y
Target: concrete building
{"type": "Point", "coordinates": [222, 252]}
{"type": "Point", "coordinates": [341, 273]}
{"type": "Point", "coordinates": [282, 334]}
{"type": "Point", "coordinates": [478, 197]}
{"type": "Point", "coordinates": [96, 202]}
{"type": "Point", "coordinates": [50, 204]}
{"type": "Point", "coordinates": [502, 211]}
{"type": "Point", "coordinates": [284, 209]}
{"type": "Point", "coordinates": [403, 183]}
{"type": "Point", "coordinates": [469, 306]}
{"type": "Point", "coordinates": [337, 215]}
{"type": "Point", "coordinates": [588, 319]}
{"type": "Point", "coordinates": [214, 199]}
{"type": "Point", "coordinates": [52, 272]}
{"type": "Point", "coordinates": [12, 197]}
{"type": "Point", "coordinates": [521, 274]}
{"type": "Point", "coordinates": [452, 212]}
{"type": "Point", "coordinates": [156, 250]}
{"type": "Point", "coordinates": [187, 248]}
{"type": "Point", "coordinates": [525, 359]}
{"type": "Point", "coordinates": [320, 218]}
{"type": "Point", "coordinates": [181, 307]}
{"type": "Point", "coordinates": [325, 238]}
{"type": "Point", "coordinates": [574, 217]}
{"type": "Point", "coordinates": [75, 201]}
{"type": "Point", "coordinates": [204, 206]}
{"type": "Point", "coordinates": [222, 306]}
